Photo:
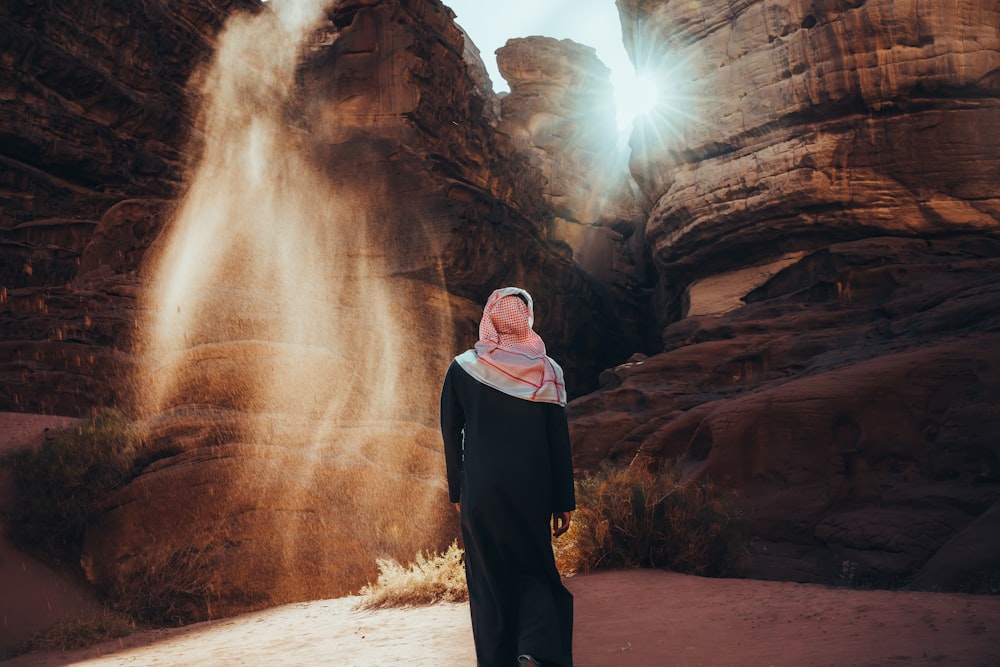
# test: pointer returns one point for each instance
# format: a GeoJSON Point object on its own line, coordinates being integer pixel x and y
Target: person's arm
{"type": "Point", "coordinates": [452, 425]}
{"type": "Point", "coordinates": [560, 523]}
{"type": "Point", "coordinates": [561, 463]}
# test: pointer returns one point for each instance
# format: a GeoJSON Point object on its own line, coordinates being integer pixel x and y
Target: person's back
{"type": "Point", "coordinates": [509, 465]}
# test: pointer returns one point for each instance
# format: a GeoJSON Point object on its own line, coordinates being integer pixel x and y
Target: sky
{"type": "Point", "coordinates": [594, 23]}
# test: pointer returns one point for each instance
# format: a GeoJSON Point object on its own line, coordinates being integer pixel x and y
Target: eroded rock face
{"type": "Point", "coordinates": [254, 524]}
{"type": "Point", "coordinates": [95, 111]}
{"type": "Point", "coordinates": [66, 349]}
{"type": "Point", "coordinates": [815, 121]}
{"type": "Point", "coordinates": [560, 113]}
{"type": "Point", "coordinates": [851, 403]}
{"type": "Point", "coordinates": [841, 387]}
{"type": "Point", "coordinates": [386, 115]}
{"type": "Point", "coordinates": [391, 98]}
{"type": "Point", "coordinates": [393, 101]}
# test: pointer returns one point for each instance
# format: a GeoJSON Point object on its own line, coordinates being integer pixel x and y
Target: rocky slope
{"type": "Point", "coordinates": [851, 402]}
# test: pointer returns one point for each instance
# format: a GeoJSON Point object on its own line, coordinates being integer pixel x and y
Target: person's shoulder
{"type": "Point", "coordinates": [455, 368]}
{"type": "Point", "coordinates": [463, 361]}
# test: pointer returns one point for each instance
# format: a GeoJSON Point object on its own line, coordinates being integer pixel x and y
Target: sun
{"type": "Point", "coordinates": [635, 96]}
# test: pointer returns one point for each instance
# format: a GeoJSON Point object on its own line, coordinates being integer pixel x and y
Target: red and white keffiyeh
{"type": "Point", "coordinates": [509, 355]}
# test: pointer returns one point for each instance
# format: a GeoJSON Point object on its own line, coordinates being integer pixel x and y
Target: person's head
{"type": "Point", "coordinates": [508, 317]}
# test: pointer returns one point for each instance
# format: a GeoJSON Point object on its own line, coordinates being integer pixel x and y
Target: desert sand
{"type": "Point", "coordinates": [624, 618]}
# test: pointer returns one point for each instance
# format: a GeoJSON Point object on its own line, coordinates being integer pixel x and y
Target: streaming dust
{"type": "Point", "coordinates": [280, 336]}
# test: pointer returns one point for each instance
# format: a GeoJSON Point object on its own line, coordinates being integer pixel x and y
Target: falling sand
{"type": "Point", "coordinates": [282, 334]}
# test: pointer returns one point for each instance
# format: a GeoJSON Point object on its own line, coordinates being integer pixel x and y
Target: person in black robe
{"type": "Point", "coordinates": [509, 467]}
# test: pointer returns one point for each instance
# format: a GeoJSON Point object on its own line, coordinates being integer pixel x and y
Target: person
{"type": "Point", "coordinates": [509, 467]}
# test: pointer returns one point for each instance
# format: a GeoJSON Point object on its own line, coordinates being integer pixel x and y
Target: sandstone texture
{"type": "Point", "coordinates": [218, 530]}
{"type": "Point", "coordinates": [825, 236]}
{"type": "Point", "coordinates": [560, 114]}
{"type": "Point", "coordinates": [95, 110]}
{"type": "Point", "coordinates": [812, 120]}
{"type": "Point", "coordinates": [800, 268]}
{"type": "Point", "coordinates": [851, 402]}
{"type": "Point", "coordinates": [273, 471]}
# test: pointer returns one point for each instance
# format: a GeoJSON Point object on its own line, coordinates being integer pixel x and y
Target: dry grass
{"type": "Point", "coordinates": [430, 578]}
{"type": "Point", "coordinates": [625, 518]}
{"type": "Point", "coordinates": [632, 517]}
{"type": "Point", "coordinates": [80, 632]}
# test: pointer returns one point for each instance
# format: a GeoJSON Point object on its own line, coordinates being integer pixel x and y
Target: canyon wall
{"type": "Point", "coordinates": [96, 110]}
{"type": "Point", "coordinates": [389, 117]}
{"type": "Point", "coordinates": [809, 227]}
{"type": "Point", "coordinates": [826, 235]}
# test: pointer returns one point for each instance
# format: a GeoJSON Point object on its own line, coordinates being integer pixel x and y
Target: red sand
{"type": "Point", "coordinates": [634, 618]}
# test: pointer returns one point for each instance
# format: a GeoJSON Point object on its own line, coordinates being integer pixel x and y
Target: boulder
{"type": "Point", "coordinates": [235, 527]}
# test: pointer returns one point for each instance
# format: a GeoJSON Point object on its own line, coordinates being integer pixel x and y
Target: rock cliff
{"type": "Point", "coordinates": [825, 234]}
{"type": "Point", "coordinates": [820, 183]}
{"type": "Point", "coordinates": [96, 110]}
{"type": "Point", "coordinates": [389, 121]}
{"type": "Point", "coordinates": [814, 121]}
{"type": "Point", "coordinates": [560, 114]}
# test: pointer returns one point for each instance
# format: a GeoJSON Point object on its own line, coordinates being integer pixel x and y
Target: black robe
{"type": "Point", "coordinates": [509, 464]}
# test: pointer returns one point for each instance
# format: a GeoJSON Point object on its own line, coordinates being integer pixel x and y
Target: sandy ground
{"type": "Point", "coordinates": [635, 618]}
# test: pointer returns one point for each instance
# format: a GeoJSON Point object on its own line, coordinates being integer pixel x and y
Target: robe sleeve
{"type": "Point", "coordinates": [452, 427]}
{"type": "Point", "coordinates": [563, 494]}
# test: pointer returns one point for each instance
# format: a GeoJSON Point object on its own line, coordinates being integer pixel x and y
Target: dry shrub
{"type": "Point", "coordinates": [60, 485]}
{"type": "Point", "coordinates": [80, 632]}
{"type": "Point", "coordinates": [175, 589]}
{"type": "Point", "coordinates": [632, 517]}
{"type": "Point", "coordinates": [438, 577]}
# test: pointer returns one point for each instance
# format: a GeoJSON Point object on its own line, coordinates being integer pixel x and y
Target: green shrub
{"type": "Point", "coordinates": [61, 485]}
{"type": "Point", "coordinates": [632, 517]}
{"type": "Point", "coordinates": [438, 577]}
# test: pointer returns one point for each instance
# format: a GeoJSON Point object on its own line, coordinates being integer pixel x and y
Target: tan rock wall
{"type": "Point", "coordinates": [788, 122]}
{"type": "Point", "coordinates": [825, 234]}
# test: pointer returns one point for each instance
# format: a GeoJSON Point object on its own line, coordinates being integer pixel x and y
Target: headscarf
{"type": "Point", "coordinates": [509, 355]}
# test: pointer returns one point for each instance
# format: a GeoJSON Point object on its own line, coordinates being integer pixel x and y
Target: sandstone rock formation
{"type": "Point", "coordinates": [823, 231]}
{"type": "Point", "coordinates": [483, 85]}
{"type": "Point", "coordinates": [560, 113]}
{"type": "Point", "coordinates": [840, 160]}
{"type": "Point", "coordinates": [850, 402]}
{"type": "Point", "coordinates": [814, 121]}
{"type": "Point", "coordinates": [95, 111]}
{"type": "Point", "coordinates": [253, 524]}
{"type": "Point", "coordinates": [471, 205]}
{"type": "Point", "coordinates": [458, 171]}
{"type": "Point", "coordinates": [247, 503]}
